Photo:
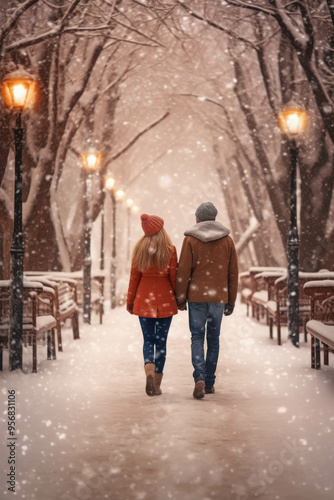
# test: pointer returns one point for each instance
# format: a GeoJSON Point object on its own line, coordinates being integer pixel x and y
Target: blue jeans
{"type": "Point", "coordinates": [155, 331]}
{"type": "Point", "coordinates": [201, 315]}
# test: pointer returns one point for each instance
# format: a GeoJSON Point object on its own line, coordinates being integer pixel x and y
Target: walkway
{"type": "Point", "coordinates": [87, 430]}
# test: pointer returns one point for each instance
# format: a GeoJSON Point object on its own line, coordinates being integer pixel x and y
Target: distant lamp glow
{"type": "Point", "coordinates": [135, 209]}
{"type": "Point", "coordinates": [109, 183]}
{"type": "Point", "coordinates": [120, 194]}
{"type": "Point", "coordinates": [129, 202]}
{"type": "Point", "coordinates": [292, 119]}
{"type": "Point", "coordinates": [19, 90]}
{"type": "Point", "coordinates": [91, 161]}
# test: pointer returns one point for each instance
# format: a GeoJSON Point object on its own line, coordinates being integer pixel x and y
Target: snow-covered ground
{"type": "Point", "coordinates": [87, 430]}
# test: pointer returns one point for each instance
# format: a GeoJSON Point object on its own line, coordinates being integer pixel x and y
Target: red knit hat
{"type": "Point", "coordinates": [151, 224]}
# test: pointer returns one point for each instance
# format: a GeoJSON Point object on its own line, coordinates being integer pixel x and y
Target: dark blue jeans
{"type": "Point", "coordinates": [155, 331]}
{"type": "Point", "coordinates": [205, 315]}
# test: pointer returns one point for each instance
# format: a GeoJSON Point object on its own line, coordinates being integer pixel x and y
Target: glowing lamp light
{"type": "Point", "coordinates": [129, 202]}
{"type": "Point", "coordinates": [292, 119]}
{"type": "Point", "coordinates": [109, 183]}
{"type": "Point", "coordinates": [19, 90]}
{"type": "Point", "coordinates": [120, 194]}
{"type": "Point", "coordinates": [91, 161]}
{"type": "Point", "coordinates": [135, 209]}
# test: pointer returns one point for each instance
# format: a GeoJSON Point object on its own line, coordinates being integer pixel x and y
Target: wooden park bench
{"type": "Point", "coordinates": [97, 290]}
{"type": "Point", "coordinates": [321, 324]}
{"type": "Point", "coordinates": [277, 306]}
{"type": "Point", "coordinates": [66, 302]}
{"type": "Point", "coordinates": [265, 294]}
{"type": "Point", "coordinates": [38, 318]}
{"type": "Point", "coordinates": [76, 278]}
{"type": "Point", "coordinates": [253, 291]}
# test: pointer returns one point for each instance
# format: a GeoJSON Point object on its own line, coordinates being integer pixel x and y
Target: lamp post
{"type": "Point", "coordinates": [293, 121]}
{"type": "Point", "coordinates": [110, 184]}
{"type": "Point", "coordinates": [129, 204]}
{"type": "Point", "coordinates": [102, 241]}
{"type": "Point", "coordinates": [19, 92]}
{"type": "Point", "coordinates": [90, 163]}
{"type": "Point", "coordinates": [115, 196]}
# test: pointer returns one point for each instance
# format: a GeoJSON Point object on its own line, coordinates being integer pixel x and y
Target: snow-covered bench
{"type": "Point", "coordinates": [76, 277]}
{"type": "Point", "coordinates": [38, 318]}
{"type": "Point", "coordinates": [253, 289]}
{"type": "Point", "coordinates": [278, 309]}
{"type": "Point", "coordinates": [321, 324]}
{"type": "Point", "coordinates": [66, 302]}
{"type": "Point", "coordinates": [263, 298]}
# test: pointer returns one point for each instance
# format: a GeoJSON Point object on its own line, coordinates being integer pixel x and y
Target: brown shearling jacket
{"type": "Point", "coordinates": [208, 266]}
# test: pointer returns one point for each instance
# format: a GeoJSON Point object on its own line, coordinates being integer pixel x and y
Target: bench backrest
{"type": "Point", "coordinates": [45, 305]}
{"type": "Point", "coordinates": [321, 295]}
{"type": "Point", "coordinates": [65, 298]}
{"type": "Point", "coordinates": [282, 288]}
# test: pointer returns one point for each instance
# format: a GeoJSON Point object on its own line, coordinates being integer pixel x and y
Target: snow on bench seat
{"type": "Point", "coordinates": [260, 297]}
{"type": "Point", "coordinates": [271, 306]}
{"type": "Point", "coordinates": [321, 330]}
{"type": "Point", "coordinates": [321, 324]}
{"type": "Point", "coordinates": [44, 323]}
{"type": "Point", "coordinates": [246, 292]}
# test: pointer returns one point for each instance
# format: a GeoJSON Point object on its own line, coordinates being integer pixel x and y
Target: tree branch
{"type": "Point", "coordinates": [13, 19]}
{"type": "Point", "coordinates": [138, 136]}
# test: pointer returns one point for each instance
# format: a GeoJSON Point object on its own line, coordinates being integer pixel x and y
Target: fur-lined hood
{"type": "Point", "coordinates": [208, 230]}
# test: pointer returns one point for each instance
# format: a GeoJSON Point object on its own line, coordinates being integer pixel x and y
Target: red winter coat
{"type": "Point", "coordinates": [151, 294]}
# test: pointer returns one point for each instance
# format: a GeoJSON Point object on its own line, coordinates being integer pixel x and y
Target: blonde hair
{"type": "Point", "coordinates": [152, 251]}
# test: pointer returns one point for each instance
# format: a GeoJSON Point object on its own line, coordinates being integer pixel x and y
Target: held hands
{"type": "Point", "coordinates": [228, 310]}
{"type": "Point", "coordinates": [129, 308]}
{"type": "Point", "coordinates": [182, 307]}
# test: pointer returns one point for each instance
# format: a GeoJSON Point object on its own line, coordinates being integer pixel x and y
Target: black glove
{"type": "Point", "coordinates": [228, 310]}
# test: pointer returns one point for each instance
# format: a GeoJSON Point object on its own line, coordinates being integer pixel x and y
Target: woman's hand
{"type": "Point", "coordinates": [129, 308]}
{"type": "Point", "coordinates": [182, 307]}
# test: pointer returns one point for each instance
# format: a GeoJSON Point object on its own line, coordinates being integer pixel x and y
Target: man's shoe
{"type": "Point", "coordinates": [199, 390]}
{"type": "Point", "coordinates": [209, 390]}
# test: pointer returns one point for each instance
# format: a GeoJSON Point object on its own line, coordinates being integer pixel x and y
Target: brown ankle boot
{"type": "Point", "coordinates": [199, 390]}
{"type": "Point", "coordinates": [150, 370]}
{"type": "Point", "coordinates": [157, 383]}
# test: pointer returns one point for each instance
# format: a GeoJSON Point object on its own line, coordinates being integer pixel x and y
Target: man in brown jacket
{"type": "Point", "coordinates": [206, 278]}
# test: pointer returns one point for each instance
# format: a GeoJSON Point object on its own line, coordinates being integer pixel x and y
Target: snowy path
{"type": "Point", "coordinates": [87, 430]}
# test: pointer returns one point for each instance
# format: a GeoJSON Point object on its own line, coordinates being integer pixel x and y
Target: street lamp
{"type": "Point", "coordinates": [90, 163]}
{"type": "Point", "coordinates": [129, 204]}
{"type": "Point", "coordinates": [110, 184]}
{"type": "Point", "coordinates": [19, 93]}
{"type": "Point", "coordinates": [293, 121]}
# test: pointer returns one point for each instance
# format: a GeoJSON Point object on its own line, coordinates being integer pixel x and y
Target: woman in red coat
{"type": "Point", "coordinates": [151, 295]}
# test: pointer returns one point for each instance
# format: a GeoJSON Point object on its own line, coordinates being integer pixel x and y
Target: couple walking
{"type": "Point", "coordinates": [206, 278]}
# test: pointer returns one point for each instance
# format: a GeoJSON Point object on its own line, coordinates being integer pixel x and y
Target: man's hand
{"type": "Point", "coordinates": [182, 307]}
{"type": "Point", "coordinates": [129, 308]}
{"type": "Point", "coordinates": [228, 310]}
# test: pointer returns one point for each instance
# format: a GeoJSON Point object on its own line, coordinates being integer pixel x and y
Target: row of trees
{"type": "Point", "coordinates": [80, 52]}
{"type": "Point", "coordinates": [248, 59]}
{"type": "Point", "coordinates": [277, 52]}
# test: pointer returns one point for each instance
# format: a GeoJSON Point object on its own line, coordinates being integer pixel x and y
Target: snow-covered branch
{"type": "Point", "coordinates": [138, 136]}
{"type": "Point", "coordinates": [9, 24]}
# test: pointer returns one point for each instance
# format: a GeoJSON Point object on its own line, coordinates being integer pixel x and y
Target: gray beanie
{"type": "Point", "coordinates": [206, 211]}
